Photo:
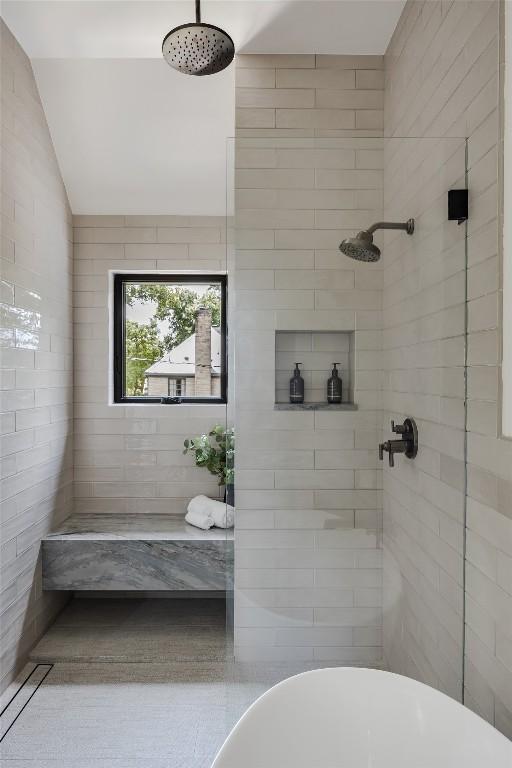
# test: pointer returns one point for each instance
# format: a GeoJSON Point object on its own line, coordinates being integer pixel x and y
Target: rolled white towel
{"type": "Point", "coordinates": [199, 518]}
{"type": "Point", "coordinates": [221, 514]}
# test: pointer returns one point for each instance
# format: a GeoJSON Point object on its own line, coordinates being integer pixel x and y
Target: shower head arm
{"type": "Point", "coordinates": [408, 226]}
{"type": "Point", "coordinates": [198, 11]}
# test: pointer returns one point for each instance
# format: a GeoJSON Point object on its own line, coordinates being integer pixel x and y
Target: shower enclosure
{"type": "Point", "coordinates": [341, 558]}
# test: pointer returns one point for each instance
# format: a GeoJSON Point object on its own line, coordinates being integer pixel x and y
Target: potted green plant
{"type": "Point", "coordinates": [216, 452]}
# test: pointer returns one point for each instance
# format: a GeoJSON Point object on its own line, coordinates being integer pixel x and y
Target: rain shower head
{"type": "Point", "coordinates": [197, 48]}
{"type": "Point", "coordinates": [362, 247]}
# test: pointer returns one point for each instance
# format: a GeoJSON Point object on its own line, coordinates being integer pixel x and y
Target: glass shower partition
{"type": "Point", "coordinates": [340, 558]}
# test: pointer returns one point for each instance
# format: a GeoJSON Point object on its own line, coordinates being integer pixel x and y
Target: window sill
{"type": "Point", "coordinates": [145, 404]}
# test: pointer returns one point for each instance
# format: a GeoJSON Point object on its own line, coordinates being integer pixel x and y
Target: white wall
{"type": "Point", "coordinates": [442, 79]}
{"type": "Point", "coordinates": [157, 147]}
{"type": "Point", "coordinates": [36, 357]}
{"type": "Point", "coordinates": [129, 458]}
{"type": "Point", "coordinates": [307, 538]}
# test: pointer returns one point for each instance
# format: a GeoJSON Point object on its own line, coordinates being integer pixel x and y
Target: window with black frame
{"type": "Point", "coordinates": [169, 338]}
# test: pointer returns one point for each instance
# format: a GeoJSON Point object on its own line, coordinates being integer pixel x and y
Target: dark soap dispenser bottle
{"type": "Point", "coordinates": [334, 386]}
{"type": "Point", "coordinates": [297, 386]}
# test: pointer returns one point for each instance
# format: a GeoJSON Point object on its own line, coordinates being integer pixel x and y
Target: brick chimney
{"type": "Point", "coordinates": [203, 377]}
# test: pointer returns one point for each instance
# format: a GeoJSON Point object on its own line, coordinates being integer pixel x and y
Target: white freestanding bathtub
{"type": "Point", "coordinates": [361, 718]}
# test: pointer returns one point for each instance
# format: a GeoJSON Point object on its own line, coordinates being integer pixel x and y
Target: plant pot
{"type": "Point", "coordinates": [229, 494]}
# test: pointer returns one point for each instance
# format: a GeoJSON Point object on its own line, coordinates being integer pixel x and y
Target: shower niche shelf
{"type": "Point", "coordinates": [315, 406]}
{"type": "Point", "coordinates": [317, 351]}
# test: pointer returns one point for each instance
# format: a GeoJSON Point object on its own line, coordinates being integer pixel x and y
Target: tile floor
{"type": "Point", "coordinates": [125, 630]}
{"type": "Point", "coordinates": [134, 684]}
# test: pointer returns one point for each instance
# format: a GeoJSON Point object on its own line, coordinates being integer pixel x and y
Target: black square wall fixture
{"type": "Point", "coordinates": [458, 205]}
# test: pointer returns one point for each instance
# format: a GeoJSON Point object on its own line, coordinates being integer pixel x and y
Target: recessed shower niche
{"type": "Point", "coordinates": [316, 351]}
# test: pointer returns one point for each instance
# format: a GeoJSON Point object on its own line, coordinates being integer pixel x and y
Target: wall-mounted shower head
{"type": "Point", "coordinates": [362, 247]}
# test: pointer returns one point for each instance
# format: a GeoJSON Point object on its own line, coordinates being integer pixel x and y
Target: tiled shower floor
{"type": "Point", "coordinates": [115, 714]}
{"type": "Point", "coordinates": [132, 684]}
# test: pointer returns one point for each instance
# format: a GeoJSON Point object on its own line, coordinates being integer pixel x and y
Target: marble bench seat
{"type": "Point", "coordinates": [136, 552]}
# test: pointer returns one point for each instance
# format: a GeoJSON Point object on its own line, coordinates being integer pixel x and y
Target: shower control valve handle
{"type": "Point", "coordinates": [389, 447]}
{"type": "Point", "coordinates": [407, 444]}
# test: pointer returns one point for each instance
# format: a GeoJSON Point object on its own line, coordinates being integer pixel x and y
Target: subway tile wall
{"type": "Point", "coordinates": [442, 73]}
{"type": "Point", "coordinates": [36, 357]}
{"type": "Point", "coordinates": [423, 350]}
{"type": "Point", "coordinates": [309, 161]}
{"type": "Point", "coordinates": [129, 459]}
{"type": "Point", "coordinates": [308, 95]}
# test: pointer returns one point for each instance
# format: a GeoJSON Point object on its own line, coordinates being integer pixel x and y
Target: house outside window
{"type": "Point", "coordinates": [175, 388]}
{"type": "Point", "coordinates": [169, 338]}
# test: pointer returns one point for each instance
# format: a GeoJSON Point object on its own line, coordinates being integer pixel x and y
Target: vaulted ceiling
{"type": "Point", "coordinates": [133, 135]}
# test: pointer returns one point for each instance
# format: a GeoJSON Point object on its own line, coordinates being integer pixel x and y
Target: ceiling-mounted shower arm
{"type": "Point", "coordinates": [198, 11]}
{"type": "Point", "coordinates": [407, 226]}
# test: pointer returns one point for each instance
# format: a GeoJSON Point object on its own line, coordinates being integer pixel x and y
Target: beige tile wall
{"type": "Point", "coordinates": [36, 357]}
{"type": "Point", "coordinates": [442, 79]}
{"type": "Point", "coordinates": [130, 458]}
{"type": "Point", "coordinates": [423, 352]}
{"type": "Point", "coordinates": [308, 559]}
{"type": "Point", "coordinates": [308, 95]}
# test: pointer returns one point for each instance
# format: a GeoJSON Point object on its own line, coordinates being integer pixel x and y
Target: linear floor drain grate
{"type": "Point", "coordinates": [21, 697]}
